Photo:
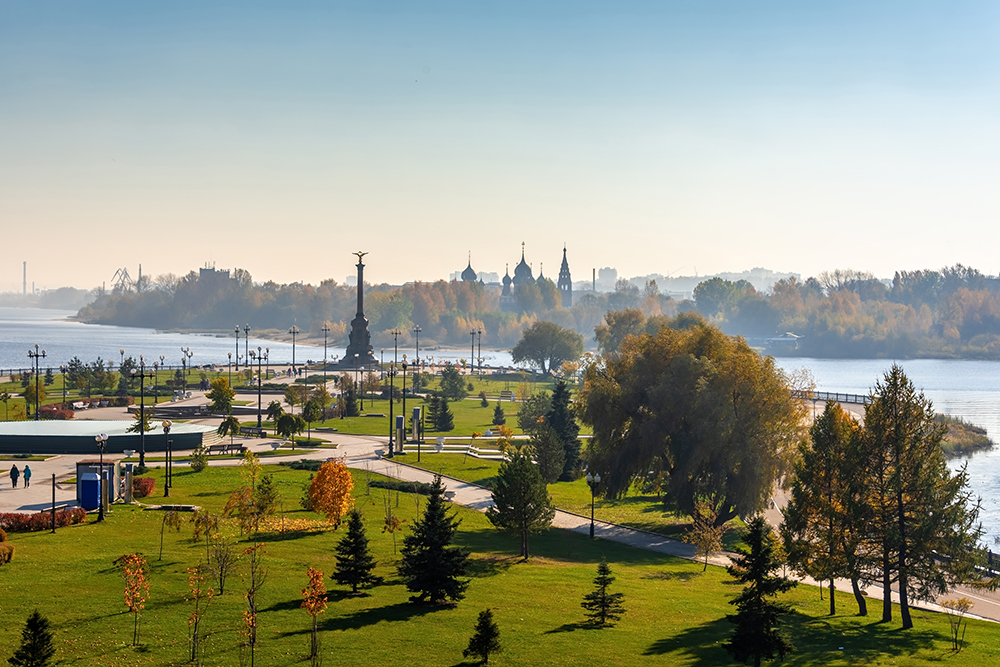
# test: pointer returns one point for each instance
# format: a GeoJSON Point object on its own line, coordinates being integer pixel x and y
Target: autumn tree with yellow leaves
{"type": "Point", "coordinates": [330, 491]}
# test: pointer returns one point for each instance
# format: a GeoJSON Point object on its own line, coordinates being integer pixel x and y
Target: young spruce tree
{"type": "Point", "coordinates": [430, 566]}
{"type": "Point", "coordinates": [603, 608]}
{"type": "Point", "coordinates": [560, 418]}
{"type": "Point", "coordinates": [485, 640]}
{"type": "Point", "coordinates": [355, 564]}
{"type": "Point", "coordinates": [499, 418]}
{"type": "Point", "coordinates": [445, 417]}
{"type": "Point", "coordinates": [756, 636]}
{"type": "Point", "coordinates": [521, 503]}
{"type": "Point", "coordinates": [36, 649]}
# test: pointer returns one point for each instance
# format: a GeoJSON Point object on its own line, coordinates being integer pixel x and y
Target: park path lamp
{"type": "Point", "coordinates": [246, 345]}
{"type": "Point", "coordinates": [102, 441]}
{"type": "Point", "coordinates": [168, 477]}
{"type": "Point", "coordinates": [35, 356]}
{"type": "Point", "coordinates": [163, 365]}
{"type": "Point", "coordinates": [472, 352]}
{"type": "Point", "coordinates": [593, 481]}
{"type": "Point", "coordinates": [416, 333]}
{"type": "Point", "coordinates": [237, 330]}
{"type": "Point", "coordinates": [260, 358]}
{"type": "Point", "coordinates": [357, 377]}
{"type": "Point", "coordinates": [404, 405]}
{"type": "Point", "coordinates": [294, 331]}
{"type": "Point", "coordinates": [189, 354]}
{"type": "Point", "coordinates": [142, 375]}
{"type": "Point", "coordinates": [156, 393]}
{"type": "Point", "coordinates": [392, 421]}
{"type": "Point", "coordinates": [184, 365]}
{"type": "Point", "coordinates": [229, 367]}
{"type": "Point", "coordinates": [326, 332]}
{"type": "Point", "coordinates": [122, 352]}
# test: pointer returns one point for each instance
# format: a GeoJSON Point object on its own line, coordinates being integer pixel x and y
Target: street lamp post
{"type": "Point", "coordinates": [259, 359]}
{"type": "Point", "coordinates": [246, 344]}
{"type": "Point", "coordinates": [479, 339]}
{"type": "Point", "coordinates": [229, 368]}
{"type": "Point", "coordinates": [122, 352]}
{"type": "Point", "coordinates": [189, 354]}
{"type": "Point", "coordinates": [102, 441]}
{"type": "Point", "coordinates": [168, 478]}
{"type": "Point", "coordinates": [416, 333]}
{"type": "Point", "coordinates": [472, 352]}
{"type": "Point", "coordinates": [184, 365]}
{"type": "Point", "coordinates": [64, 369]}
{"type": "Point", "coordinates": [392, 421]}
{"type": "Point", "coordinates": [326, 332]}
{"type": "Point", "coordinates": [294, 331]}
{"type": "Point", "coordinates": [404, 406]}
{"type": "Point", "coordinates": [142, 375]}
{"type": "Point", "coordinates": [35, 356]}
{"type": "Point", "coordinates": [593, 481]}
{"type": "Point", "coordinates": [156, 393]}
{"type": "Point", "coordinates": [357, 375]}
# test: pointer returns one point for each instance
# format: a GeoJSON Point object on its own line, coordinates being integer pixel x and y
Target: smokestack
{"type": "Point", "coordinates": [139, 283]}
{"type": "Point", "coordinates": [594, 280]}
{"type": "Point", "coordinates": [24, 287]}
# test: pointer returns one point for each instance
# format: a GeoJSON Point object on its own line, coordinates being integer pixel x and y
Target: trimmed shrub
{"type": "Point", "coordinates": [3, 535]}
{"type": "Point", "coordinates": [143, 486]}
{"type": "Point", "coordinates": [13, 522]}
{"type": "Point", "coordinates": [302, 464]}
{"type": "Point", "coordinates": [6, 553]}
{"type": "Point", "coordinates": [123, 401]}
{"type": "Point", "coordinates": [422, 488]}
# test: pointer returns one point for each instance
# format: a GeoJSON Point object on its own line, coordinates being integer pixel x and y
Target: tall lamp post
{"type": "Point", "coordinates": [35, 356]}
{"type": "Point", "coordinates": [142, 375]}
{"type": "Point", "coordinates": [361, 393]}
{"type": "Point", "coordinates": [294, 331]}
{"type": "Point", "coordinates": [189, 354]}
{"type": "Point", "coordinates": [416, 333]}
{"type": "Point", "coordinates": [237, 330]}
{"type": "Point", "coordinates": [156, 393]}
{"type": "Point", "coordinates": [246, 345]}
{"type": "Point", "coordinates": [479, 340]}
{"type": "Point", "coordinates": [163, 365]}
{"type": "Point", "coordinates": [404, 406]}
{"type": "Point", "coordinates": [326, 332]}
{"type": "Point", "coordinates": [593, 480]}
{"type": "Point", "coordinates": [63, 369]}
{"type": "Point", "coordinates": [472, 352]}
{"type": "Point", "coordinates": [122, 352]}
{"type": "Point", "coordinates": [184, 365]}
{"type": "Point", "coordinates": [168, 477]}
{"type": "Point", "coordinates": [392, 421]}
{"type": "Point", "coordinates": [259, 359]}
{"type": "Point", "coordinates": [102, 441]}
{"type": "Point", "coordinates": [229, 367]}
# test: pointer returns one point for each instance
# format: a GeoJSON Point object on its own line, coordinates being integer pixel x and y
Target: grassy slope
{"type": "Point", "coordinates": [675, 612]}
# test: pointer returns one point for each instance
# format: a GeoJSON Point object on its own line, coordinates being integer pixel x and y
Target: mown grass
{"type": "Point", "coordinates": [675, 613]}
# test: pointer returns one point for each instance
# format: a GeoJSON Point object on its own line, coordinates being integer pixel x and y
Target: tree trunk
{"type": "Point", "coordinates": [886, 585]}
{"type": "Point", "coordinates": [833, 605]}
{"type": "Point", "coordinates": [903, 567]}
{"type": "Point", "coordinates": [524, 544]}
{"type": "Point", "coordinates": [859, 597]}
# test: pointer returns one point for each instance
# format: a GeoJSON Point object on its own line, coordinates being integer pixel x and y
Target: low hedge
{"type": "Point", "coordinates": [302, 464]}
{"type": "Point", "coordinates": [422, 488]}
{"type": "Point", "coordinates": [13, 522]}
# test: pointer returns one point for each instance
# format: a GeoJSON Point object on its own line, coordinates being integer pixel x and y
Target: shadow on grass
{"type": "Point", "coordinates": [560, 545]}
{"type": "Point", "coordinates": [488, 566]}
{"type": "Point", "coordinates": [817, 641]}
{"type": "Point", "coordinates": [572, 627]}
{"type": "Point", "coordinates": [403, 611]}
{"type": "Point", "coordinates": [332, 597]}
{"type": "Point", "coordinates": [686, 575]}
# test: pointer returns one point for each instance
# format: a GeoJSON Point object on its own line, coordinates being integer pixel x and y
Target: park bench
{"type": "Point", "coordinates": [226, 449]}
{"type": "Point", "coordinates": [506, 396]}
{"type": "Point", "coordinates": [252, 430]}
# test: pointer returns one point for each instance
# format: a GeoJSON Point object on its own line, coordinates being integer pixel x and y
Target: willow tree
{"type": "Point", "coordinates": [703, 409]}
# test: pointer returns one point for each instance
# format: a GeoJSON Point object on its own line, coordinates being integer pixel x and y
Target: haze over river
{"type": "Point", "coordinates": [967, 389]}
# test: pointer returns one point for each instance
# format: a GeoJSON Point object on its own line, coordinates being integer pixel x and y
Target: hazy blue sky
{"type": "Point", "coordinates": [653, 137]}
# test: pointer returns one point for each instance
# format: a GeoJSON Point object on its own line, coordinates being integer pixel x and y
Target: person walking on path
{"type": "Point", "coordinates": [14, 474]}
{"type": "Point", "coordinates": [27, 476]}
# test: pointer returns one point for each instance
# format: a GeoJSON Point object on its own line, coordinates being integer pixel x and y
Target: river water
{"type": "Point", "coordinates": [967, 389]}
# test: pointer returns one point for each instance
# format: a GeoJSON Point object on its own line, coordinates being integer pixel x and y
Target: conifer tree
{"type": "Point", "coordinates": [433, 408]}
{"type": "Point", "coordinates": [350, 402]}
{"type": "Point", "coordinates": [561, 420]}
{"type": "Point", "coordinates": [36, 649]}
{"type": "Point", "coordinates": [499, 418]}
{"type": "Point", "coordinates": [919, 509]}
{"type": "Point", "coordinates": [549, 453]}
{"type": "Point", "coordinates": [521, 503]}
{"type": "Point", "coordinates": [756, 636]}
{"type": "Point", "coordinates": [355, 564]}
{"type": "Point", "coordinates": [430, 566]}
{"type": "Point", "coordinates": [445, 417]}
{"type": "Point", "coordinates": [485, 640]}
{"type": "Point", "coordinates": [603, 608]}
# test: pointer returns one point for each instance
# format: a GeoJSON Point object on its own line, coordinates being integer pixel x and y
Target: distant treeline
{"type": "Point", "coordinates": [954, 312]}
{"type": "Point", "coordinates": [446, 312]}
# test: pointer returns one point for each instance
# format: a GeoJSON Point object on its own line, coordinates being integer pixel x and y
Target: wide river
{"type": "Point", "coordinates": [967, 389]}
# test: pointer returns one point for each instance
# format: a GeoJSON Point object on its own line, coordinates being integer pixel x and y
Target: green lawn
{"type": "Point", "coordinates": [675, 613]}
{"type": "Point", "coordinates": [635, 510]}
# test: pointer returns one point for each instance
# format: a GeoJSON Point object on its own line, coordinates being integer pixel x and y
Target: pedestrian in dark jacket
{"type": "Point", "coordinates": [27, 476]}
{"type": "Point", "coordinates": [14, 474]}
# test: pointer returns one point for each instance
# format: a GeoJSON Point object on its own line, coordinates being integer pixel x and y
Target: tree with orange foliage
{"type": "Point", "coordinates": [330, 491]}
{"type": "Point", "coordinates": [314, 602]}
{"type": "Point", "coordinates": [135, 572]}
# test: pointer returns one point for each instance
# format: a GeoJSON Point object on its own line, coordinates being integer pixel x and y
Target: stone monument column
{"type": "Point", "coordinates": [360, 340]}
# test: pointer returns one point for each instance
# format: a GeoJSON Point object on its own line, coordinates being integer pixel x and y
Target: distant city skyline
{"type": "Point", "coordinates": [653, 137]}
